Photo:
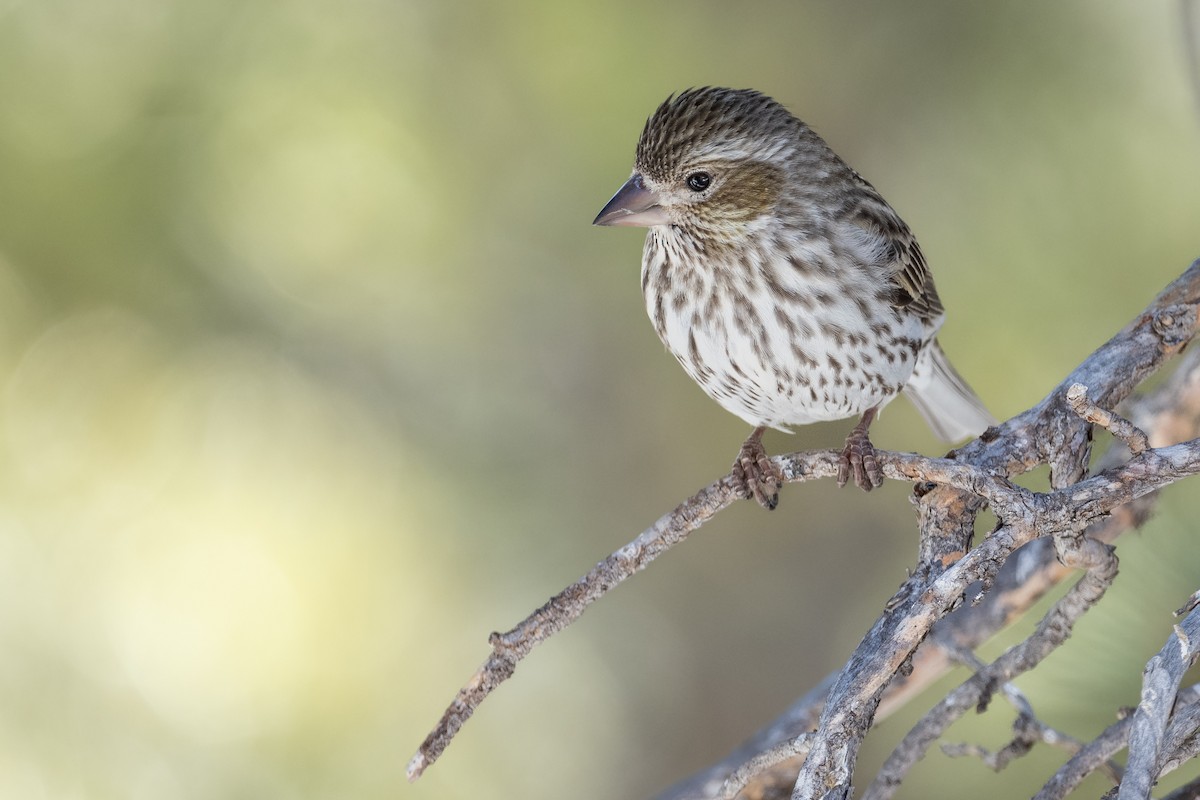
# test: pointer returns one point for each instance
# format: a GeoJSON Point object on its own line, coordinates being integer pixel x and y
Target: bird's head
{"type": "Point", "coordinates": [709, 160]}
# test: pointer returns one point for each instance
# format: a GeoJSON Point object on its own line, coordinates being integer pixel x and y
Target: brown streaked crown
{"type": "Point", "coordinates": [709, 118]}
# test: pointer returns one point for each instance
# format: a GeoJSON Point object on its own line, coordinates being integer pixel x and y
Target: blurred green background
{"type": "Point", "coordinates": [315, 372]}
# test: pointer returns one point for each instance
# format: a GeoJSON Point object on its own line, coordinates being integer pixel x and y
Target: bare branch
{"type": "Point", "coordinates": [1170, 414]}
{"type": "Point", "coordinates": [1028, 731]}
{"type": "Point", "coordinates": [1067, 525]}
{"type": "Point", "coordinates": [849, 711]}
{"type": "Point", "coordinates": [1160, 684]}
{"type": "Point", "coordinates": [565, 607]}
{"type": "Point", "coordinates": [1133, 436]}
{"type": "Point", "coordinates": [1181, 744]}
{"type": "Point", "coordinates": [671, 529]}
{"type": "Point", "coordinates": [1089, 759]}
{"type": "Point", "coordinates": [976, 691]}
{"type": "Point", "coordinates": [1114, 739]}
{"type": "Point", "coordinates": [764, 761]}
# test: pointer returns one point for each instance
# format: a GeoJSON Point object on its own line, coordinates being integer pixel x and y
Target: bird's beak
{"type": "Point", "coordinates": [634, 205]}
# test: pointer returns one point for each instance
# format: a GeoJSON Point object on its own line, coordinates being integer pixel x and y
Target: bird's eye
{"type": "Point", "coordinates": [699, 181]}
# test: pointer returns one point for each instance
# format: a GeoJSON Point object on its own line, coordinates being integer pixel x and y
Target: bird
{"type": "Point", "coordinates": [783, 282]}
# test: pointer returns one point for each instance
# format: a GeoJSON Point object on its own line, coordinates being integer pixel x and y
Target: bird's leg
{"type": "Point", "coordinates": [756, 475]}
{"type": "Point", "coordinates": [859, 456]}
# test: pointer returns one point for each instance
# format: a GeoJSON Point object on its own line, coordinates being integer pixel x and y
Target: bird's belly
{"type": "Point", "coordinates": [779, 366]}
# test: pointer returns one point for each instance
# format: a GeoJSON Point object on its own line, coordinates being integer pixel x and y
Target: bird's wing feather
{"type": "Point", "coordinates": [902, 256]}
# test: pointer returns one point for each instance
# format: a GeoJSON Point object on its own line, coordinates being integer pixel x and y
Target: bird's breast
{"type": "Point", "coordinates": [779, 334]}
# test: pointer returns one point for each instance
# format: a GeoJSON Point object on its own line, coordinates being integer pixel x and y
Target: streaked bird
{"type": "Point", "coordinates": [783, 282]}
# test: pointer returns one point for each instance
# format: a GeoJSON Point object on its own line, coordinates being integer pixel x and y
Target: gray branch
{"type": "Point", "coordinates": [958, 595]}
{"type": "Point", "coordinates": [1116, 738]}
{"type": "Point", "coordinates": [1148, 753]}
{"type": "Point", "coordinates": [1050, 432]}
{"type": "Point", "coordinates": [976, 692]}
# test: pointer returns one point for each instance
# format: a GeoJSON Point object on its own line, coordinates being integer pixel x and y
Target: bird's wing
{"type": "Point", "coordinates": [905, 262]}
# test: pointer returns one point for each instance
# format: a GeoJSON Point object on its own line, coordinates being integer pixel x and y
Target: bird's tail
{"type": "Point", "coordinates": [947, 403]}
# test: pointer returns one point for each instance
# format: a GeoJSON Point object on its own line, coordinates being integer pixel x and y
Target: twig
{"type": "Point", "coordinates": [763, 762]}
{"type": "Point", "coordinates": [1111, 741]}
{"type": "Point", "coordinates": [975, 692]}
{"type": "Point", "coordinates": [565, 607]}
{"type": "Point", "coordinates": [1056, 738]}
{"type": "Point", "coordinates": [1089, 759]}
{"type": "Point", "coordinates": [1028, 730]}
{"type": "Point", "coordinates": [1192, 603]}
{"type": "Point", "coordinates": [1118, 426]}
{"type": "Point", "coordinates": [1181, 743]}
{"type": "Point", "coordinates": [1160, 684]}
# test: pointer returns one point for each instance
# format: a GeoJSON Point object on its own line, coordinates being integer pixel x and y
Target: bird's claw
{"type": "Point", "coordinates": [756, 476]}
{"type": "Point", "coordinates": [858, 459]}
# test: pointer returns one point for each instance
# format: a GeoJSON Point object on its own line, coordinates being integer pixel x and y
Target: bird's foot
{"type": "Point", "coordinates": [858, 457]}
{"type": "Point", "coordinates": [754, 473]}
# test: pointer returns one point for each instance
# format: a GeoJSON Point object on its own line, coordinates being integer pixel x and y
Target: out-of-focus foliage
{"type": "Point", "coordinates": [314, 373]}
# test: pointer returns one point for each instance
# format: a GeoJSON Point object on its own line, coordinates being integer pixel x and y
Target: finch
{"type": "Point", "coordinates": [782, 281]}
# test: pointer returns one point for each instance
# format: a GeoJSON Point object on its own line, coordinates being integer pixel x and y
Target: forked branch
{"type": "Point", "coordinates": [1066, 529]}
